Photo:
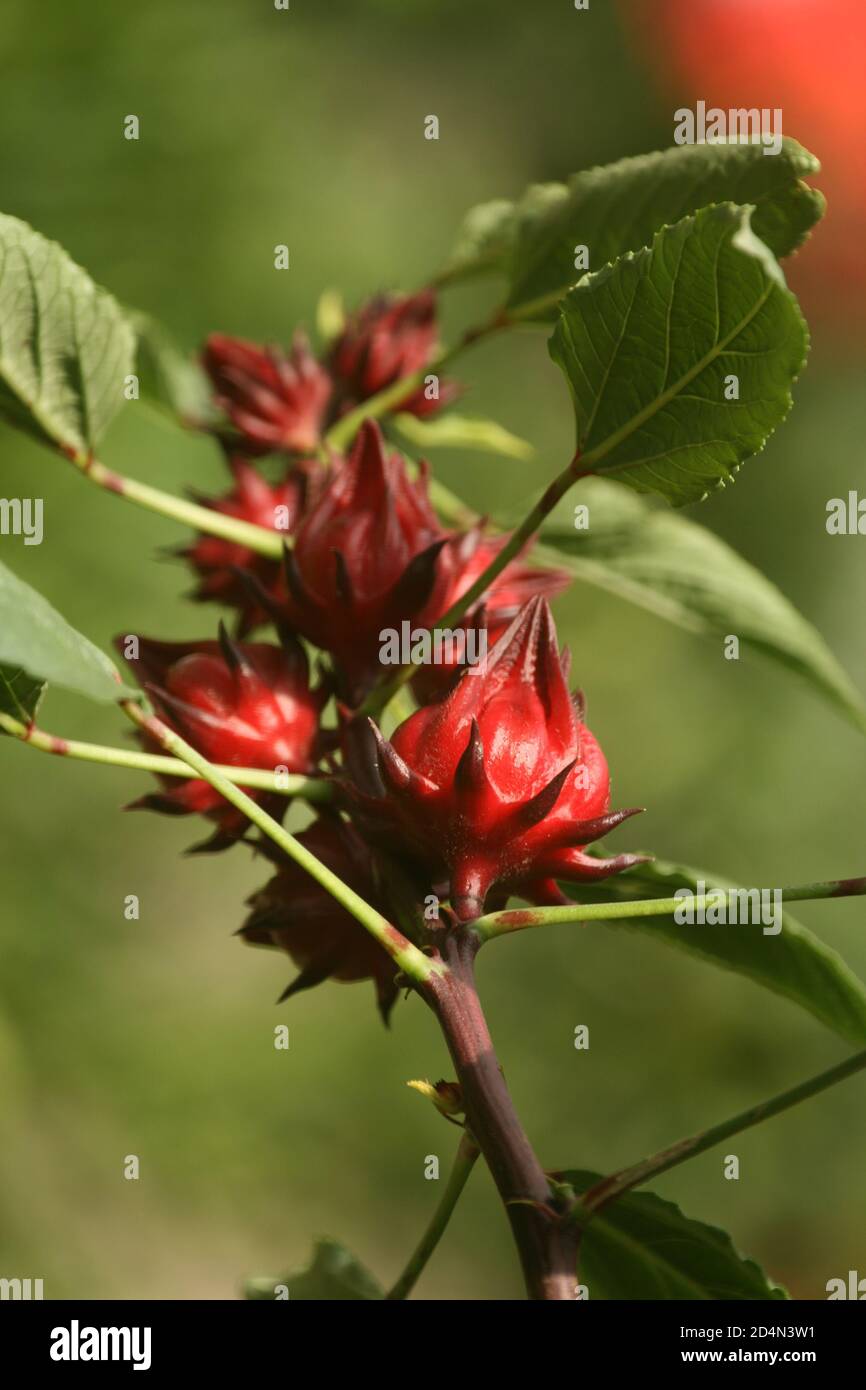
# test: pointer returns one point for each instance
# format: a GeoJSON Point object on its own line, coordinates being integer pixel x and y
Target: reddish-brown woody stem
{"type": "Point", "coordinates": [547, 1245]}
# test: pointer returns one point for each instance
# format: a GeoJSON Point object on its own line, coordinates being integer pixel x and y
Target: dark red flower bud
{"type": "Point", "coordinates": [325, 942]}
{"type": "Point", "coordinates": [388, 338]}
{"type": "Point", "coordinates": [224, 567]}
{"type": "Point", "coordinates": [364, 559]}
{"type": "Point", "coordinates": [464, 559]}
{"type": "Point", "coordinates": [244, 705]}
{"type": "Point", "coordinates": [276, 400]}
{"type": "Point", "coordinates": [500, 787]}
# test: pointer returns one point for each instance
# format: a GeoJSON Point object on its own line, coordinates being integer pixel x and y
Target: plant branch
{"type": "Point", "coordinates": [257, 538]}
{"type": "Point", "coordinates": [547, 1247]}
{"type": "Point", "coordinates": [500, 923]}
{"type": "Point", "coordinates": [412, 962]}
{"type": "Point", "coordinates": [287, 784]}
{"type": "Point", "coordinates": [341, 434]}
{"type": "Point", "coordinates": [610, 1188]}
{"type": "Point", "coordinates": [380, 697]}
{"type": "Point", "coordinates": [510, 317]}
{"type": "Point", "coordinates": [464, 1162]}
{"type": "Point", "coordinates": [449, 506]}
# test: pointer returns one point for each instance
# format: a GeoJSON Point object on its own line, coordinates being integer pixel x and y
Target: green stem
{"type": "Point", "coordinates": [288, 784]}
{"type": "Point", "coordinates": [635, 1176]}
{"type": "Point", "coordinates": [380, 697]}
{"type": "Point", "coordinates": [449, 506]}
{"type": "Point", "coordinates": [257, 538]}
{"type": "Point", "coordinates": [464, 1162]}
{"type": "Point", "coordinates": [516, 542]}
{"type": "Point", "coordinates": [509, 317]}
{"type": "Point", "coordinates": [499, 923]}
{"type": "Point", "coordinates": [412, 962]}
{"type": "Point", "coordinates": [341, 434]}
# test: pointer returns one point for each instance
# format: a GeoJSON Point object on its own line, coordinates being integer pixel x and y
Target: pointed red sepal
{"type": "Point", "coordinates": [294, 582]}
{"type": "Point", "coordinates": [307, 979]}
{"type": "Point", "coordinates": [234, 655]}
{"type": "Point", "coordinates": [588, 831]}
{"type": "Point", "coordinates": [343, 580]}
{"type": "Point", "coordinates": [470, 775]}
{"type": "Point", "coordinates": [541, 805]}
{"type": "Point", "coordinates": [395, 772]}
{"type": "Point", "coordinates": [415, 585]}
{"type": "Point", "coordinates": [589, 868]}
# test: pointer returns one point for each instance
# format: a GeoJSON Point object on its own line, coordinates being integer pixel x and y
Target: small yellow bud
{"type": "Point", "coordinates": [445, 1095]}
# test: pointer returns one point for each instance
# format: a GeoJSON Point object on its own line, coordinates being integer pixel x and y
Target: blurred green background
{"type": "Point", "coordinates": [155, 1037]}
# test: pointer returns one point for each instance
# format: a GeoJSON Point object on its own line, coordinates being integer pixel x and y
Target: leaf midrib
{"type": "Point", "coordinates": [653, 407]}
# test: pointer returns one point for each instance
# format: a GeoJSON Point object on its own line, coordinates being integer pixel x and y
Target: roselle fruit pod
{"type": "Point", "coordinates": [224, 568]}
{"type": "Point", "coordinates": [275, 399]}
{"type": "Point", "coordinates": [500, 786]}
{"type": "Point", "coordinates": [388, 338]}
{"type": "Point", "coordinates": [239, 704]}
{"type": "Point", "coordinates": [325, 942]}
{"type": "Point", "coordinates": [364, 559]}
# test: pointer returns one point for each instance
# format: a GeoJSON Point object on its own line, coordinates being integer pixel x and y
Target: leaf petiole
{"type": "Point", "coordinates": [289, 784]}
{"type": "Point", "coordinates": [516, 919]}
{"type": "Point", "coordinates": [257, 538]}
{"type": "Point", "coordinates": [464, 1162]}
{"type": "Point", "coordinates": [610, 1188]}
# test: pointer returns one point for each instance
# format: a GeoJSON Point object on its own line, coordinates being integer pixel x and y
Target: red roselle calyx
{"type": "Point", "coordinates": [224, 568]}
{"type": "Point", "coordinates": [499, 787]}
{"type": "Point", "coordinates": [276, 400]}
{"type": "Point", "coordinates": [325, 942]}
{"type": "Point", "coordinates": [244, 705]}
{"type": "Point", "coordinates": [389, 337]}
{"type": "Point", "coordinates": [364, 559]}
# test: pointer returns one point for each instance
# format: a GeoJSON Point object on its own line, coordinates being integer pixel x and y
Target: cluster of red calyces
{"type": "Point", "coordinates": [494, 786]}
{"type": "Point", "coordinates": [284, 401]}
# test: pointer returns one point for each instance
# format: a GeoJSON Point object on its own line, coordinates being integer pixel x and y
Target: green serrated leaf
{"type": "Point", "coordinates": [167, 376]}
{"type": "Point", "coordinates": [678, 570]}
{"type": "Point", "coordinates": [35, 639]}
{"type": "Point", "coordinates": [620, 207]}
{"type": "Point", "coordinates": [462, 432]}
{"type": "Point", "coordinates": [644, 1248]}
{"type": "Point", "coordinates": [650, 345]}
{"type": "Point", "coordinates": [794, 963]}
{"type": "Point", "coordinates": [19, 694]}
{"type": "Point", "coordinates": [65, 347]}
{"type": "Point", "coordinates": [333, 1275]}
